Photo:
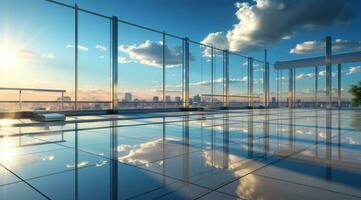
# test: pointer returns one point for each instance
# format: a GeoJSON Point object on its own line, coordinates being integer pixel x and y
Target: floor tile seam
{"type": "Point", "coordinates": [305, 185]}
{"type": "Point", "coordinates": [27, 183]}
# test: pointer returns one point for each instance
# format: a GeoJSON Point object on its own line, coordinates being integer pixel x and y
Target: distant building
{"type": "Point", "coordinates": [66, 98]}
{"type": "Point", "coordinates": [273, 100]}
{"type": "Point", "coordinates": [156, 99]}
{"type": "Point", "coordinates": [167, 99]}
{"type": "Point", "coordinates": [128, 97]}
{"type": "Point", "coordinates": [197, 99]}
{"type": "Point", "coordinates": [177, 99]}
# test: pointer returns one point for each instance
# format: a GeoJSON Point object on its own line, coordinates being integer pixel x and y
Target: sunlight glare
{"type": "Point", "coordinates": [8, 57]}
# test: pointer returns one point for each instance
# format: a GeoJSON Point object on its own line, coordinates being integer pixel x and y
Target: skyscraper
{"type": "Point", "coordinates": [128, 97]}
{"type": "Point", "coordinates": [155, 99]}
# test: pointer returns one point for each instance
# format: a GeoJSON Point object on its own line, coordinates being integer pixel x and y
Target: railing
{"type": "Point", "coordinates": [20, 102]}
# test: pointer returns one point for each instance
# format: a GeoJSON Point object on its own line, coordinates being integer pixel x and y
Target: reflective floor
{"type": "Point", "coordinates": [238, 154]}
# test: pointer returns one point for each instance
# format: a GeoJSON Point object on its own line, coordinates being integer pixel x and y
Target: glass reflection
{"type": "Point", "coordinates": [239, 153]}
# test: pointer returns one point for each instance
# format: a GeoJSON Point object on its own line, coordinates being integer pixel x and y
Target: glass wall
{"type": "Point", "coordinates": [173, 72]}
{"type": "Point", "coordinates": [218, 79]}
{"type": "Point", "coordinates": [39, 69]}
{"type": "Point", "coordinates": [94, 62]}
{"type": "Point", "coordinates": [200, 75]}
{"type": "Point", "coordinates": [258, 93]}
{"type": "Point", "coordinates": [238, 81]}
{"type": "Point", "coordinates": [305, 87]}
{"type": "Point", "coordinates": [140, 68]}
{"type": "Point", "coordinates": [34, 56]}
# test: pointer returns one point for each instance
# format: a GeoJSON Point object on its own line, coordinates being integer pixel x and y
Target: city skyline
{"type": "Point", "coordinates": [49, 57]}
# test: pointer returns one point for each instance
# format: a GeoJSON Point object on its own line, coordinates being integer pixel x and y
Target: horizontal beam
{"type": "Point", "coordinates": [319, 61]}
{"type": "Point", "coordinates": [221, 95]}
{"type": "Point", "coordinates": [32, 89]}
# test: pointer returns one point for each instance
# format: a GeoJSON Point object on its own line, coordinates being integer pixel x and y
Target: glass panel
{"type": "Point", "coordinates": [305, 87]}
{"type": "Point", "coordinates": [199, 75]}
{"type": "Point", "coordinates": [35, 57]}
{"type": "Point", "coordinates": [94, 62]}
{"type": "Point", "coordinates": [174, 61]}
{"type": "Point", "coordinates": [218, 78]}
{"type": "Point", "coordinates": [140, 68]}
{"type": "Point", "coordinates": [321, 92]}
{"type": "Point", "coordinates": [238, 81]}
{"type": "Point", "coordinates": [258, 94]}
{"type": "Point", "coordinates": [283, 78]}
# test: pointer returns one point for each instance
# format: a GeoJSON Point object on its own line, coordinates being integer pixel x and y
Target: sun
{"type": "Point", "coordinates": [8, 57]}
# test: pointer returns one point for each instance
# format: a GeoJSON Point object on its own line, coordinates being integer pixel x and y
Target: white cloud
{"type": "Point", "coordinates": [304, 76]}
{"type": "Point", "coordinates": [264, 22]}
{"type": "Point", "coordinates": [281, 78]}
{"type": "Point", "coordinates": [100, 47]}
{"type": "Point", "coordinates": [218, 40]}
{"type": "Point", "coordinates": [80, 47]}
{"type": "Point", "coordinates": [150, 53]}
{"type": "Point", "coordinates": [353, 70]}
{"type": "Point", "coordinates": [124, 60]}
{"type": "Point", "coordinates": [48, 55]}
{"type": "Point", "coordinates": [323, 73]}
{"type": "Point", "coordinates": [318, 46]}
{"type": "Point", "coordinates": [220, 81]}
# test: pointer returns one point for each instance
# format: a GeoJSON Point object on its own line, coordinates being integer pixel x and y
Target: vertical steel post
{"type": "Point", "coordinates": [265, 71]}
{"type": "Point", "coordinates": [163, 60]}
{"type": "Point", "coordinates": [62, 100]}
{"type": "Point", "coordinates": [290, 87]}
{"type": "Point", "coordinates": [328, 72]}
{"type": "Point", "coordinates": [20, 101]}
{"type": "Point", "coordinates": [250, 82]}
{"type": "Point", "coordinates": [212, 75]}
{"type": "Point", "coordinates": [278, 87]}
{"type": "Point", "coordinates": [114, 69]}
{"type": "Point", "coordinates": [114, 160]}
{"type": "Point", "coordinates": [316, 86]}
{"type": "Point", "coordinates": [186, 73]}
{"type": "Point", "coordinates": [225, 79]}
{"type": "Point", "coordinates": [76, 56]}
{"type": "Point", "coordinates": [339, 86]}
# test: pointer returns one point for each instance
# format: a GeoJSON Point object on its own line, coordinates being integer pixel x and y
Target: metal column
{"type": "Point", "coordinates": [185, 73]}
{"type": "Point", "coordinates": [265, 79]}
{"type": "Point", "coordinates": [316, 86]}
{"type": "Point", "coordinates": [328, 73]}
{"type": "Point", "coordinates": [114, 70]}
{"type": "Point", "coordinates": [212, 76]}
{"type": "Point", "coordinates": [76, 57]}
{"type": "Point", "coordinates": [250, 82]}
{"type": "Point", "coordinates": [339, 86]}
{"type": "Point", "coordinates": [225, 79]}
{"type": "Point", "coordinates": [163, 60]}
{"type": "Point", "coordinates": [290, 87]}
{"type": "Point", "coordinates": [278, 87]}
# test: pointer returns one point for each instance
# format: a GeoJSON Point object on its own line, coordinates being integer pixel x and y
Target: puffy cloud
{"type": "Point", "coordinates": [323, 73]}
{"type": "Point", "coordinates": [100, 47]}
{"type": "Point", "coordinates": [231, 80]}
{"type": "Point", "coordinates": [268, 21]}
{"type": "Point", "coordinates": [124, 60]}
{"type": "Point", "coordinates": [80, 47]}
{"type": "Point", "coordinates": [318, 46]}
{"type": "Point", "coordinates": [353, 70]}
{"type": "Point", "coordinates": [218, 40]}
{"type": "Point", "coordinates": [304, 76]}
{"type": "Point", "coordinates": [151, 53]}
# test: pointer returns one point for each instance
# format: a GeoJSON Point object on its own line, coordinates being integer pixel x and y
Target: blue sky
{"type": "Point", "coordinates": [42, 33]}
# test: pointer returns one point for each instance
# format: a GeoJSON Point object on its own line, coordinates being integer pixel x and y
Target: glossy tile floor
{"type": "Point", "coordinates": [240, 154]}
